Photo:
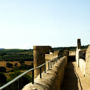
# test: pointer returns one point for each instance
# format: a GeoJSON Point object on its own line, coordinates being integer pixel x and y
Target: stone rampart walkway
{"type": "Point", "coordinates": [73, 79]}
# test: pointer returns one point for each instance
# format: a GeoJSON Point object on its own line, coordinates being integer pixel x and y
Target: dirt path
{"type": "Point", "coordinates": [73, 79]}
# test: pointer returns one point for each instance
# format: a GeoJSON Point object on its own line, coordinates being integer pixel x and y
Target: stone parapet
{"type": "Point", "coordinates": [82, 66]}
{"type": "Point", "coordinates": [52, 79]}
{"type": "Point", "coordinates": [49, 57]}
{"type": "Point", "coordinates": [87, 75]}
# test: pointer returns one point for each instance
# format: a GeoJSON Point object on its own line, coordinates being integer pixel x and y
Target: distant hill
{"type": "Point", "coordinates": [69, 48]}
{"type": "Point", "coordinates": [1, 48]}
{"type": "Point", "coordinates": [16, 54]}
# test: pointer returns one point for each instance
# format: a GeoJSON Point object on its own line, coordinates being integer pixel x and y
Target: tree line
{"type": "Point", "coordinates": [16, 55]}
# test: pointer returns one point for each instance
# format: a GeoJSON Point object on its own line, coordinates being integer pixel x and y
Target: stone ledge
{"type": "Point", "coordinates": [50, 80]}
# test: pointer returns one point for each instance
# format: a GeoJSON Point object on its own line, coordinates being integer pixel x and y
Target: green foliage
{"type": "Point", "coordinates": [20, 55]}
{"type": "Point", "coordinates": [15, 64]}
{"type": "Point", "coordinates": [69, 48]}
{"type": "Point", "coordinates": [84, 47]}
{"type": "Point", "coordinates": [18, 85]}
{"type": "Point", "coordinates": [16, 55]}
{"type": "Point", "coordinates": [21, 62]}
{"type": "Point", "coordinates": [9, 65]}
{"type": "Point", "coordinates": [2, 69]}
{"type": "Point", "coordinates": [64, 48]}
{"type": "Point", "coordinates": [14, 74]}
{"type": "Point", "coordinates": [3, 79]}
{"type": "Point", "coordinates": [25, 67]}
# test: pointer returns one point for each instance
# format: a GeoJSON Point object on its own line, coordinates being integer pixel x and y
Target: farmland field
{"type": "Point", "coordinates": [14, 62]}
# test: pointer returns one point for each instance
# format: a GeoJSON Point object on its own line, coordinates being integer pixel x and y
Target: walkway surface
{"type": "Point", "coordinates": [73, 79]}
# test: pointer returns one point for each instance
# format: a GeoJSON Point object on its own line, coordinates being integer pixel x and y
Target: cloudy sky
{"type": "Point", "coordinates": [24, 23]}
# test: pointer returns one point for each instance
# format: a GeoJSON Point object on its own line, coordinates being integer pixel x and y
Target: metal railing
{"type": "Point", "coordinates": [17, 87]}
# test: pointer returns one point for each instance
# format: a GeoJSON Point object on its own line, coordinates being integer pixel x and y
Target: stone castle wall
{"type": "Point", "coordinates": [82, 66]}
{"type": "Point", "coordinates": [51, 80]}
{"type": "Point", "coordinates": [49, 57]}
{"type": "Point", "coordinates": [87, 74]}
{"type": "Point", "coordinates": [77, 56]}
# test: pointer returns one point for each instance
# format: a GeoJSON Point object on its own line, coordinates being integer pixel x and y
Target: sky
{"type": "Point", "coordinates": [58, 23]}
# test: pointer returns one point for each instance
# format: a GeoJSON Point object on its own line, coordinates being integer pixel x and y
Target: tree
{"type": "Point", "coordinates": [2, 69]}
{"type": "Point", "coordinates": [9, 65]}
{"type": "Point", "coordinates": [3, 79]}
{"type": "Point", "coordinates": [14, 74]}
{"type": "Point", "coordinates": [21, 62]}
{"type": "Point", "coordinates": [16, 64]}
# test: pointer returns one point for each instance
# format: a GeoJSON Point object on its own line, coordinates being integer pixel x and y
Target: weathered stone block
{"type": "Point", "coordinates": [39, 57]}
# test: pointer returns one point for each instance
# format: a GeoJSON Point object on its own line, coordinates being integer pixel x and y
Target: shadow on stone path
{"type": "Point", "coordinates": [70, 81]}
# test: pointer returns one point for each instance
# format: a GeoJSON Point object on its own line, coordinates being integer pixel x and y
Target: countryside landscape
{"type": "Point", "coordinates": [13, 62]}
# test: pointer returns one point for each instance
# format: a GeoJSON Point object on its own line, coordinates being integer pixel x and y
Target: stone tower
{"type": "Point", "coordinates": [78, 43]}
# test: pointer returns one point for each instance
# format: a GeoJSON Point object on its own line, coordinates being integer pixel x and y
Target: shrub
{"type": "Point", "coordinates": [2, 69]}
{"type": "Point", "coordinates": [14, 74]}
{"type": "Point", "coordinates": [21, 82]}
{"type": "Point", "coordinates": [21, 62]}
{"type": "Point", "coordinates": [9, 65]}
{"type": "Point", "coordinates": [3, 79]}
{"type": "Point", "coordinates": [16, 64]}
{"type": "Point", "coordinates": [25, 80]}
{"type": "Point", "coordinates": [25, 67]}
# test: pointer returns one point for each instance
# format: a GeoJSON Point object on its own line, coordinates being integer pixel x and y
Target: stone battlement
{"type": "Point", "coordinates": [50, 80]}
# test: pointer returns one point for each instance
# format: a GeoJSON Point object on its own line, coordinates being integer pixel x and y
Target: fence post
{"type": "Point", "coordinates": [32, 76]}
{"type": "Point", "coordinates": [40, 72]}
{"type": "Point", "coordinates": [18, 84]}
